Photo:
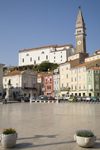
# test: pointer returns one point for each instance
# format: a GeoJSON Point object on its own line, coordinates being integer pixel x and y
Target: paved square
{"type": "Point", "coordinates": [50, 126]}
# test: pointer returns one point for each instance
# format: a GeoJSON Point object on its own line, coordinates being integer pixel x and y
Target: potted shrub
{"type": "Point", "coordinates": [8, 138]}
{"type": "Point", "coordinates": [85, 138]}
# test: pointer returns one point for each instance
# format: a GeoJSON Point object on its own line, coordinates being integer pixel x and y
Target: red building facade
{"type": "Point", "coordinates": [48, 84]}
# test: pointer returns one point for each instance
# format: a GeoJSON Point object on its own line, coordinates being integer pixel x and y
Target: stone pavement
{"type": "Point", "coordinates": [50, 126]}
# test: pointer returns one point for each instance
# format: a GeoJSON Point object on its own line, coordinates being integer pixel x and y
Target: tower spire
{"type": "Point", "coordinates": [80, 33]}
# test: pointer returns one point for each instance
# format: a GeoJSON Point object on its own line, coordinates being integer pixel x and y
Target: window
{"type": "Point", "coordinates": [46, 56]}
{"type": "Point", "coordinates": [89, 71]}
{"type": "Point", "coordinates": [66, 67]}
{"type": "Point", "coordinates": [97, 86]}
{"type": "Point", "coordinates": [89, 87]}
{"type": "Point", "coordinates": [89, 78]}
{"type": "Point", "coordinates": [67, 85]}
{"type": "Point", "coordinates": [62, 76]}
{"type": "Point", "coordinates": [54, 57]}
{"type": "Point", "coordinates": [71, 71]}
{"type": "Point", "coordinates": [72, 87]}
{"type": "Point", "coordinates": [31, 59]}
{"type": "Point", "coordinates": [38, 58]}
{"type": "Point", "coordinates": [97, 78]}
{"type": "Point", "coordinates": [76, 55]}
{"type": "Point", "coordinates": [75, 87]}
{"type": "Point", "coordinates": [46, 80]}
{"type": "Point", "coordinates": [83, 69]}
{"type": "Point", "coordinates": [75, 70]}
{"type": "Point", "coordinates": [54, 60]}
{"type": "Point", "coordinates": [66, 75]}
{"type": "Point", "coordinates": [79, 78]}
{"type": "Point", "coordinates": [23, 60]}
{"type": "Point", "coordinates": [5, 79]}
{"type": "Point", "coordinates": [83, 77]}
{"type": "Point", "coordinates": [93, 58]}
{"type": "Point", "coordinates": [97, 56]}
{"type": "Point", "coordinates": [61, 56]}
{"type": "Point", "coordinates": [89, 58]}
{"type": "Point", "coordinates": [62, 85]}
{"type": "Point", "coordinates": [79, 86]}
{"type": "Point", "coordinates": [75, 79]}
{"type": "Point", "coordinates": [48, 87]}
{"type": "Point", "coordinates": [42, 52]}
{"type": "Point", "coordinates": [71, 79]}
{"type": "Point", "coordinates": [79, 70]}
{"type": "Point", "coordinates": [83, 86]}
{"type": "Point", "coordinates": [62, 68]}
{"type": "Point", "coordinates": [50, 79]}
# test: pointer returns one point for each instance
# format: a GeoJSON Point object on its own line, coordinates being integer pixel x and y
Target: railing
{"type": "Point", "coordinates": [64, 89]}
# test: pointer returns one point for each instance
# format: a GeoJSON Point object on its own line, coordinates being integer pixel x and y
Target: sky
{"type": "Point", "coordinates": [35, 23]}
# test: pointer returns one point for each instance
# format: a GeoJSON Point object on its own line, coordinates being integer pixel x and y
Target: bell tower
{"type": "Point", "coordinates": [80, 33]}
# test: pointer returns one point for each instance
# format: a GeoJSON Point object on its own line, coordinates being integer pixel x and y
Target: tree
{"type": "Point", "coordinates": [44, 66]}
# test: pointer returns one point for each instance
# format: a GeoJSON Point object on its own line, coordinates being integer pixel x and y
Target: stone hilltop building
{"type": "Point", "coordinates": [52, 53]}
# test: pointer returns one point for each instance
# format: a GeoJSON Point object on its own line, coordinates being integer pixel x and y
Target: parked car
{"type": "Point", "coordinates": [26, 99]}
{"type": "Point", "coordinates": [79, 98]}
{"type": "Point", "coordinates": [51, 98]}
{"type": "Point", "coordinates": [32, 99]}
{"type": "Point", "coordinates": [18, 98]}
{"type": "Point", "coordinates": [72, 99]}
{"type": "Point", "coordinates": [95, 99]}
{"type": "Point", "coordinates": [88, 98]}
{"type": "Point", "coordinates": [42, 97]}
{"type": "Point", "coordinates": [83, 98]}
{"type": "Point", "coordinates": [67, 96]}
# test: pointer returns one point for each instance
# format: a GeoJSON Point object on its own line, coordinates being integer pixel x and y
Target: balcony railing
{"type": "Point", "coordinates": [30, 88]}
{"type": "Point", "coordinates": [64, 89]}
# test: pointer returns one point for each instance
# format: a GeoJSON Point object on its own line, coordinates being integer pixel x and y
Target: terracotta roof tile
{"type": "Point", "coordinates": [63, 45]}
{"type": "Point", "coordinates": [84, 64]}
{"type": "Point", "coordinates": [1, 64]}
{"type": "Point", "coordinates": [68, 61]}
{"type": "Point", "coordinates": [38, 48]}
{"type": "Point", "coordinates": [13, 73]}
{"type": "Point", "coordinates": [94, 68]}
{"type": "Point", "coordinates": [92, 56]}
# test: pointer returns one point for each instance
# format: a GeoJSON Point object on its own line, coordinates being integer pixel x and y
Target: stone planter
{"type": "Point", "coordinates": [8, 140]}
{"type": "Point", "coordinates": [85, 141]}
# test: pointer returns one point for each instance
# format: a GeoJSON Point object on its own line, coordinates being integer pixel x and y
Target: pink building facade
{"type": "Point", "coordinates": [48, 84]}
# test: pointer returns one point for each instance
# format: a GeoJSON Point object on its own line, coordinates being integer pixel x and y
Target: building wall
{"type": "Point", "coordinates": [93, 57]}
{"type": "Point", "coordinates": [56, 85]}
{"type": "Point", "coordinates": [20, 81]}
{"type": "Point", "coordinates": [47, 91]}
{"type": "Point", "coordinates": [36, 56]}
{"type": "Point", "coordinates": [64, 78]}
{"type": "Point", "coordinates": [78, 74]}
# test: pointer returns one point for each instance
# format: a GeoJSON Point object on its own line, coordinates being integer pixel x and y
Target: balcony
{"type": "Point", "coordinates": [64, 89]}
{"type": "Point", "coordinates": [30, 88]}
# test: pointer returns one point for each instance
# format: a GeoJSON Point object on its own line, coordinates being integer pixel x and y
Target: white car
{"type": "Point", "coordinates": [88, 98]}
{"type": "Point", "coordinates": [67, 96]}
{"type": "Point", "coordinates": [32, 99]}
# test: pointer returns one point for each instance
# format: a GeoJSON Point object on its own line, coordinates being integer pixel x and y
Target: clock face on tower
{"type": "Point", "coordinates": [79, 42]}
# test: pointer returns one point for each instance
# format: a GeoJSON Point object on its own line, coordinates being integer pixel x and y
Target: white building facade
{"type": "Point", "coordinates": [52, 53]}
{"type": "Point", "coordinates": [23, 83]}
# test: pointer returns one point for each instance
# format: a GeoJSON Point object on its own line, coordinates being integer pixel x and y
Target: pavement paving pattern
{"type": "Point", "coordinates": [50, 126]}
